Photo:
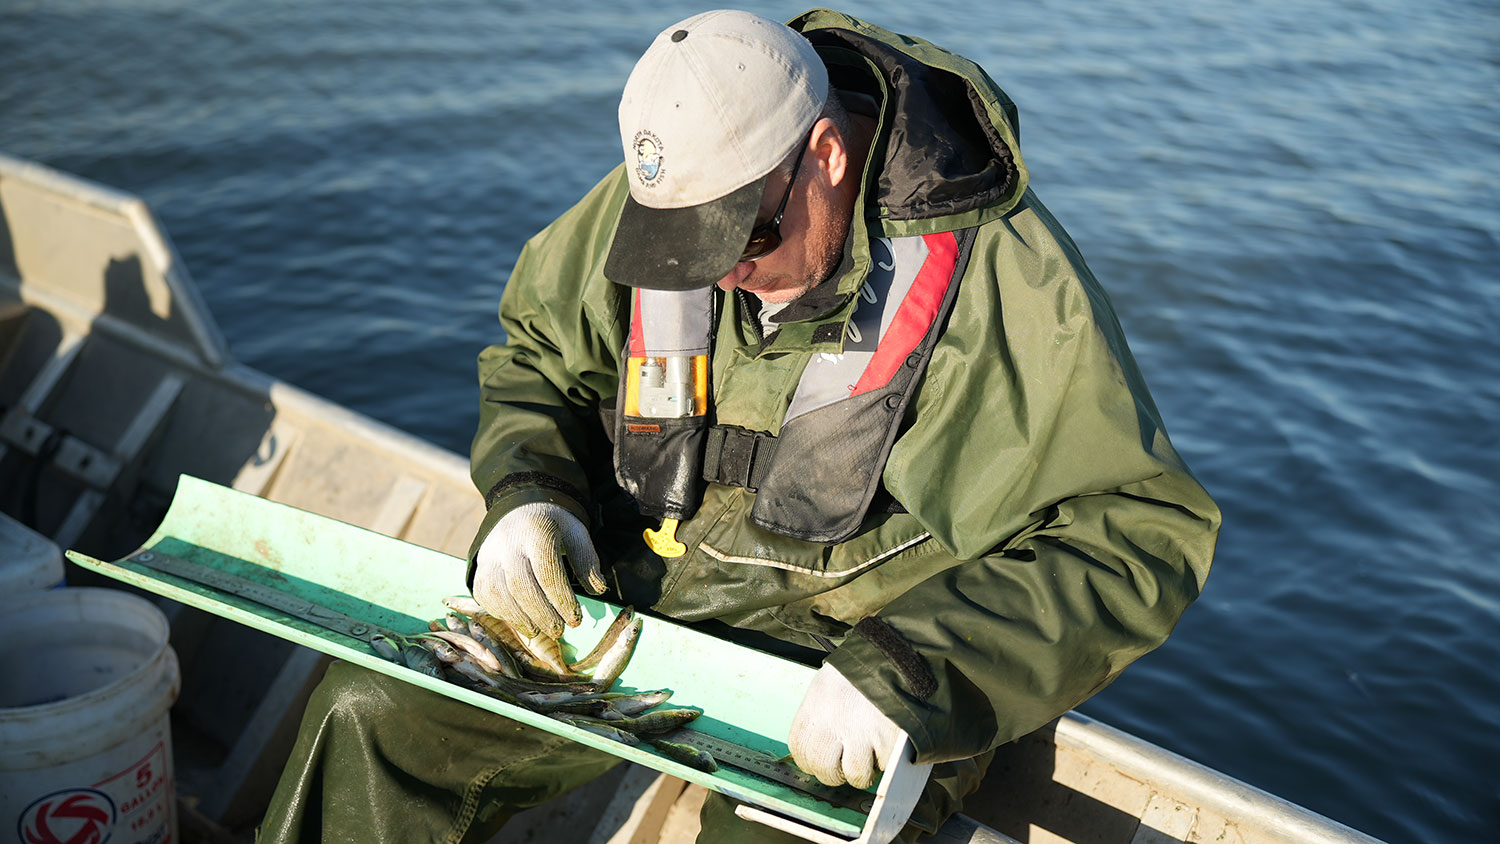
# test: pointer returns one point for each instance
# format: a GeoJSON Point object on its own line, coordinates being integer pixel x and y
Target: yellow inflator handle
{"type": "Point", "coordinates": [664, 541]}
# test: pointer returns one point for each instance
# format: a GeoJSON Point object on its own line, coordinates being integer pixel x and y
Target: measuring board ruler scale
{"type": "Point", "coordinates": [763, 765]}
{"type": "Point", "coordinates": [724, 751]}
{"type": "Point", "coordinates": [250, 590]}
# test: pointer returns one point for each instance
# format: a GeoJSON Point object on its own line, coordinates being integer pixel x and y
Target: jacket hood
{"type": "Point", "coordinates": [948, 135]}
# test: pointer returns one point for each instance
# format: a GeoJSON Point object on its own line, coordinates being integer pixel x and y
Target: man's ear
{"type": "Point", "coordinates": [831, 151]}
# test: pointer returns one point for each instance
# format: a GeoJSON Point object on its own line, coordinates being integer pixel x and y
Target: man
{"type": "Point", "coordinates": [818, 326]}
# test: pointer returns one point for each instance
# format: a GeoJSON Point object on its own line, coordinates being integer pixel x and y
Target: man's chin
{"type": "Point", "coordinates": [779, 297]}
{"type": "Point", "coordinates": [776, 292]}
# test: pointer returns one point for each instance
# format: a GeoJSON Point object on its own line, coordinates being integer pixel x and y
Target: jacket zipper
{"type": "Point", "coordinates": [752, 316]}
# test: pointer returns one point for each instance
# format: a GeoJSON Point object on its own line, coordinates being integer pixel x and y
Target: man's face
{"type": "Point", "coordinates": [813, 231]}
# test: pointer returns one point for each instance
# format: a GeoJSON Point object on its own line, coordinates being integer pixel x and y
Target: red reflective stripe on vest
{"type": "Point", "coordinates": [637, 331]}
{"type": "Point", "coordinates": [915, 314]}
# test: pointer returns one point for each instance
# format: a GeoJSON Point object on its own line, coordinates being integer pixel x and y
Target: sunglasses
{"type": "Point", "coordinates": [766, 237]}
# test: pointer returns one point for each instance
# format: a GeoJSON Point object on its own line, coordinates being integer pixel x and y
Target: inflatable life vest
{"type": "Point", "coordinates": [815, 479]}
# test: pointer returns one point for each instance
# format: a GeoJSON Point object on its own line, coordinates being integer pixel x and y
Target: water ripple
{"type": "Point", "coordinates": [1292, 206]}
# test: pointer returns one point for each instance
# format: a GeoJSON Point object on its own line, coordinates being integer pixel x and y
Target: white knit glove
{"type": "Point", "coordinates": [838, 735]}
{"type": "Point", "coordinates": [519, 574]}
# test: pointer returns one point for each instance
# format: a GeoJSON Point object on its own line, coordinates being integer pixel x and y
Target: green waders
{"type": "Point", "coordinates": [379, 760]}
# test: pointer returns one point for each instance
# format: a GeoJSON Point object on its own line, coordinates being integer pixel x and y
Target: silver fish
{"type": "Point", "coordinates": [479, 652]}
{"type": "Point", "coordinates": [464, 663]}
{"type": "Point", "coordinates": [508, 665]}
{"type": "Point", "coordinates": [616, 628]}
{"type": "Point", "coordinates": [629, 706]}
{"type": "Point", "coordinates": [612, 663]}
{"type": "Point", "coordinates": [464, 604]}
{"type": "Point", "coordinates": [386, 648]}
{"type": "Point", "coordinates": [596, 727]}
{"type": "Point", "coordinates": [458, 675]}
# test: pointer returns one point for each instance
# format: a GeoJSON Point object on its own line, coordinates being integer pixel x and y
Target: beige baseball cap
{"type": "Point", "coordinates": [716, 102]}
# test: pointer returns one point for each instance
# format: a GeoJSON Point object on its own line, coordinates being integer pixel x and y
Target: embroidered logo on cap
{"type": "Point", "coordinates": [647, 156]}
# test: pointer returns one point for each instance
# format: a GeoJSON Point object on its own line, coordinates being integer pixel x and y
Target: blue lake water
{"type": "Point", "coordinates": [1293, 205]}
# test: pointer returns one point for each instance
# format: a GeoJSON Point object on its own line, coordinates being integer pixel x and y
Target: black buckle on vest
{"type": "Point", "coordinates": [737, 457]}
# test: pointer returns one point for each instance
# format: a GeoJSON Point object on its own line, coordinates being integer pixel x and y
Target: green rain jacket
{"type": "Point", "coordinates": [1051, 535]}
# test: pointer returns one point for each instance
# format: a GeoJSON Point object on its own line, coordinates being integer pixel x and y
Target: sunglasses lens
{"type": "Point", "coordinates": [762, 243]}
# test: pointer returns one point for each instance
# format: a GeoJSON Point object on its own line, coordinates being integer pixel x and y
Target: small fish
{"type": "Point", "coordinates": [623, 704]}
{"type": "Point", "coordinates": [466, 664]}
{"type": "Point", "coordinates": [386, 649]}
{"type": "Point", "coordinates": [616, 627]}
{"type": "Point", "coordinates": [548, 651]}
{"type": "Point", "coordinates": [526, 684]}
{"type": "Point", "coordinates": [533, 655]}
{"type": "Point", "coordinates": [458, 675]}
{"type": "Point", "coordinates": [500, 694]}
{"type": "Point", "coordinates": [539, 698]}
{"type": "Point", "coordinates": [686, 754]}
{"type": "Point", "coordinates": [468, 668]}
{"type": "Point", "coordinates": [596, 727]}
{"type": "Point", "coordinates": [508, 665]}
{"type": "Point", "coordinates": [445, 652]}
{"type": "Point", "coordinates": [629, 706]}
{"type": "Point", "coordinates": [659, 721]}
{"type": "Point", "coordinates": [612, 663]}
{"type": "Point", "coordinates": [509, 639]}
{"type": "Point", "coordinates": [481, 654]}
{"type": "Point", "coordinates": [464, 604]}
{"type": "Point", "coordinates": [474, 673]}
{"type": "Point", "coordinates": [418, 658]}
{"type": "Point", "coordinates": [591, 708]}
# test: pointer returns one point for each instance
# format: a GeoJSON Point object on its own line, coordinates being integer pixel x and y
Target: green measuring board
{"type": "Point", "coordinates": [748, 698]}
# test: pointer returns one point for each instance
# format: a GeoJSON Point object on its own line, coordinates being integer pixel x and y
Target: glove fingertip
{"type": "Point", "coordinates": [829, 778]}
{"type": "Point", "coordinates": [860, 773]}
{"type": "Point", "coordinates": [523, 625]}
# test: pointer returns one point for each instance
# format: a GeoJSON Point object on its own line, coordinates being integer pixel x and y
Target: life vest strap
{"type": "Point", "coordinates": [735, 456]}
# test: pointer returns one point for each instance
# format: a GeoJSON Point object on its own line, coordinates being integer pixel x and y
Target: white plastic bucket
{"type": "Point", "coordinates": [86, 681]}
{"type": "Point", "coordinates": [28, 560]}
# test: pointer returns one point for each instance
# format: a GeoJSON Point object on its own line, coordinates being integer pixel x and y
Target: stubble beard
{"type": "Point", "coordinates": [825, 252]}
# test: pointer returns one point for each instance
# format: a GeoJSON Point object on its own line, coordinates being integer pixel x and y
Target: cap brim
{"type": "Point", "coordinates": [682, 248]}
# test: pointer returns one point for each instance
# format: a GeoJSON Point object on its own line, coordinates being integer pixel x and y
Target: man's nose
{"type": "Point", "coordinates": [736, 275]}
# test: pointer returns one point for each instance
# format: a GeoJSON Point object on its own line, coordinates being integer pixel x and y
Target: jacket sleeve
{"type": "Point", "coordinates": [540, 390]}
{"type": "Point", "coordinates": [1036, 457]}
